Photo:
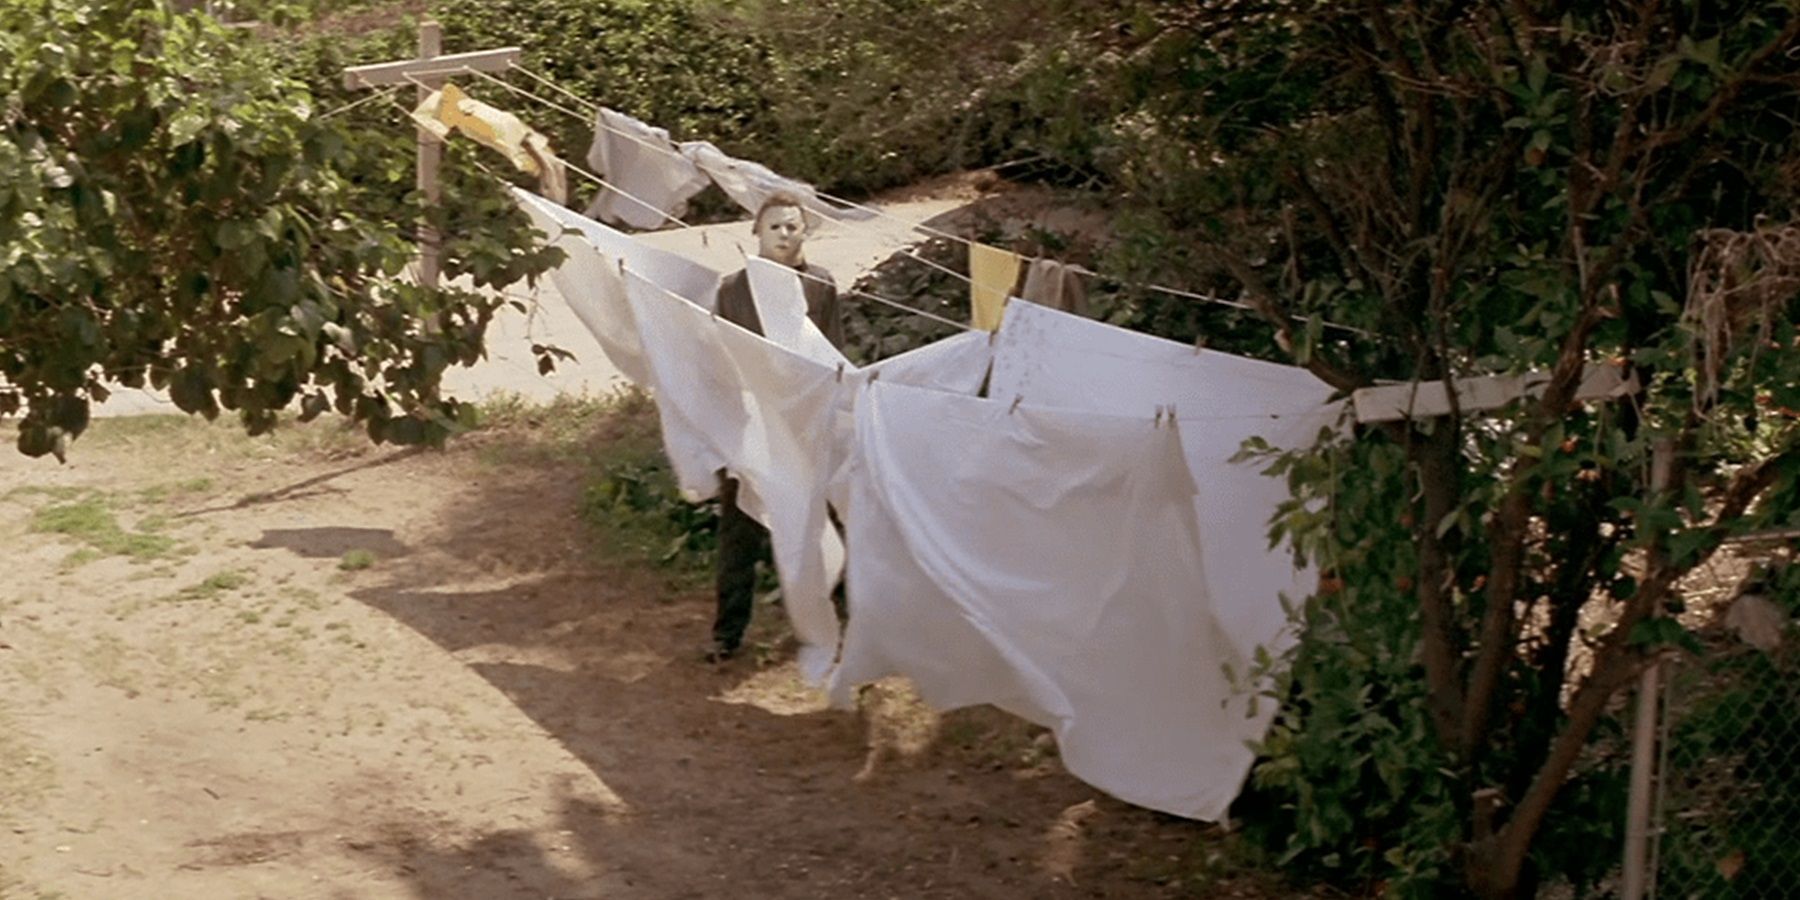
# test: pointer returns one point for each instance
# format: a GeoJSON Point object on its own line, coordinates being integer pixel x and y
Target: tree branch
{"type": "Point", "coordinates": [1437, 460]}
{"type": "Point", "coordinates": [1264, 301]}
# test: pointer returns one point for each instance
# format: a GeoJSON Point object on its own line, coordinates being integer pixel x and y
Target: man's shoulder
{"type": "Point", "coordinates": [818, 272]}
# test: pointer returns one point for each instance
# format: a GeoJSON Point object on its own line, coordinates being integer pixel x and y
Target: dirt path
{"type": "Point", "coordinates": [303, 667]}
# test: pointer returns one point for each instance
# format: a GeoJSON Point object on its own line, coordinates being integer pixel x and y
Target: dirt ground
{"type": "Point", "coordinates": [300, 666]}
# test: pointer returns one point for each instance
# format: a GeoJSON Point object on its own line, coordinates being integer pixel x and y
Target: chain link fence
{"type": "Point", "coordinates": [1728, 818]}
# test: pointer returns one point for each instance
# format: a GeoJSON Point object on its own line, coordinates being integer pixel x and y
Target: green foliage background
{"type": "Point", "coordinates": [1244, 147]}
{"type": "Point", "coordinates": [175, 212]}
{"type": "Point", "coordinates": [1193, 120]}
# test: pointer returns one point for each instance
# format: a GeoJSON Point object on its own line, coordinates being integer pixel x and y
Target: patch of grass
{"type": "Point", "coordinates": [356, 560]}
{"type": "Point", "coordinates": [52, 491]}
{"type": "Point", "coordinates": [558, 431]}
{"type": "Point", "coordinates": [631, 499]}
{"type": "Point", "coordinates": [161, 493]}
{"type": "Point", "coordinates": [229, 580]}
{"type": "Point", "coordinates": [209, 588]}
{"type": "Point", "coordinates": [90, 521]}
{"type": "Point", "coordinates": [122, 428]}
{"type": "Point", "coordinates": [80, 558]}
{"type": "Point", "coordinates": [330, 435]}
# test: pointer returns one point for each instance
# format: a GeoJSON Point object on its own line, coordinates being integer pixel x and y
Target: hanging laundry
{"type": "Point", "coordinates": [750, 183]}
{"type": "Point", "coordinates": [1055, 285]}
{"type": "Point", "coordinates": [730, 400]}
{"type": "Point", "coordinates": [992, 274]}
{"type": "Point", "coordinates": [1064, 360]}
{"type": "Point", "coordinates": [590, 284]}
{"type": "Point", "coordinates": [649, 182]}
{"type": "Point", "coordinates": [1044, 561]}
{"type": "Point", "coordinates": [781, 304]}
{"type": "Point", "coordinates": [553, 173]}
{"type": "Point", "coordinates": [957, 364]}
{"type": "Point", "coordinates": [677, 273]}
{"type": "Point", "coordinates": [449, 109]}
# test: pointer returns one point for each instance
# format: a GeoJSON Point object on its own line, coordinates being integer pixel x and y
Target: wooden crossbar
{"type": "Point", "coordinates": [381, 74]}
{"type": "Point", "coordinates": [1390, 402]}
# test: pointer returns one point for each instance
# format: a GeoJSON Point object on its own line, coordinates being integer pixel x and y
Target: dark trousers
{"type": "Point", "coordinates": [741, 543]}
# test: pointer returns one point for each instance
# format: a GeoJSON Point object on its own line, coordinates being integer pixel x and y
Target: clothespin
{"type": "Point", "coordinates": [874, 375]}
{"type": "Point", "coordinates": [840, 373]}
{"type": "Point", "coordinates": [1015, 404]}
{"type": "Point", "coordinates": [1199, 343]}
{"type": "Point", "coordinates": [1158, 422]}
{"type": "Point", "coordinates": [1171, 415]}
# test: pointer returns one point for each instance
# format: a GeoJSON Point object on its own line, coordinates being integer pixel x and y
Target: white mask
{"type": "Point", "coordinates": [782, 235]}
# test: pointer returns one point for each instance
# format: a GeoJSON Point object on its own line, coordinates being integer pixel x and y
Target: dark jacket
{"type": "Point", "coordinates": [822, 304]}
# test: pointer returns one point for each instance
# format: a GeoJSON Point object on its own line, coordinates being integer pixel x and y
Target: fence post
{"type": "Point", "coordinates": [1637, 874]}
{"type": "Point", "coordinates": [431, 153]}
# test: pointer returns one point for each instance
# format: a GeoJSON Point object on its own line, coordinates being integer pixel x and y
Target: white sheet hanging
{"type": "Point", "coordinates": [653, 180]}
{"type": "Point", "coordinates": [957, 364]}
{"type": "Point", "coordinates": [699, 400]}
{"type": "Point", "coordinates": [589, 282]}
{"type": "Point", "coordinates": [781, 306]}
{"type": "Point", "coordinates": [786, 465]}
{"type": "Point", "coordinates": [729, 399]}
{"type": "Point", "coordinates": [750, 183]}
{"type": "Point", "coordinates": [691, 280]}
{"type": "Point", "coordinates": [1059, 359]}
{"type": "Point", "coordinates": [1044, 561]}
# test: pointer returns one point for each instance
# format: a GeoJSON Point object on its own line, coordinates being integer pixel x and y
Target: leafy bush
{"type": "Point", "coordinates": [630, 493]}
{"type": "Point", "coordinates": [173, 213]}
{"type": "Point", "coordinates": [853, 95]}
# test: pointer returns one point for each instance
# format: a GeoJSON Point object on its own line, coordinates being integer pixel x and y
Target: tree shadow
{"type": "Point", "coordinates": [332, 542]}
{"type": "Point", "coordinates": [758, 797]}
{"type": "Point", "coordinates": [305, 487]}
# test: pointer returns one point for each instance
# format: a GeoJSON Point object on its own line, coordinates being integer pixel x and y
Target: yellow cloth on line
{"type": "Point", "coordinates": [529, 151]}
{"type": "Point", "coordinates": [992, 273]}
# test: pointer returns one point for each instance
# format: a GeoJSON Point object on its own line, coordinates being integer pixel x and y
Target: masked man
{"type": "Point", "coordinates": [780, 228]}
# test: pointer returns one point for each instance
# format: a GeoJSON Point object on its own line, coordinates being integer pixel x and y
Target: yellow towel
{"type": "Point", "coordinates": [529, 151]}
{"type": "Point", "coordinates": [992, 273]}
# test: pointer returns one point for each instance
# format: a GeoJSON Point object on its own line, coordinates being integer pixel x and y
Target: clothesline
{"type": "Point", "coordinates": [383, 94]}
{"type": "Point", "coordinates": [1168, 412]}
{"type": "Point", "coordinates": [603, 183]}
{"type": "Point", "coordinates": [920, 226]}
{"type": "Point", "coordinates": [851, 291]}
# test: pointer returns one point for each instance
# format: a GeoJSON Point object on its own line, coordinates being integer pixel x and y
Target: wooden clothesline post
{"type": "Point", "coordinates": [430, 69]}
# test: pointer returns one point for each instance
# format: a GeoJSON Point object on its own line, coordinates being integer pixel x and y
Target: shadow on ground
{"type": "Point", "coordinates": [332, 542]}
{"type": "Point", "coordinates": [733, 781]}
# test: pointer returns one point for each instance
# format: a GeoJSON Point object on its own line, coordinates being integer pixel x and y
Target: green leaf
{"type": "Point", "coordinates": [185, 127]}
{"type": "Point", "coordinates": [1537, 72]}
{"type": "Point", "coordinates": [1663, 631]}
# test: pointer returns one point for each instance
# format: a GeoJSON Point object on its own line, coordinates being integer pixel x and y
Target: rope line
{"type": "Point", "coordinates": [378, 95]}
{"type": "Point", "coordinates": [842, 291]}
{"type": "Point", "coordinates": [592, 107]}
{"type": "Point", "coordinates": [917, 226]}
{"type": "Point", "coordinates": [569, 166]}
